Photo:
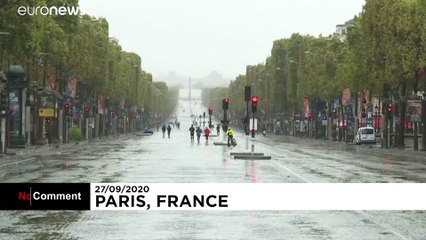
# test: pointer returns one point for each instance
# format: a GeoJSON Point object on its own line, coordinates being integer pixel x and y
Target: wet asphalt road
{"type": "Point", "coordinates": [154, 159]}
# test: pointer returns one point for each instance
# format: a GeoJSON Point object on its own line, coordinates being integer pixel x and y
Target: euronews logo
{"type": "Point", "coordinates": [45, 10]}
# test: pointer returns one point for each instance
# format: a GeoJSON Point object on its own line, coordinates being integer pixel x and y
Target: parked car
{"type": "Point", "coordinates": [365, 135]}
{"type": "Point", "coordinates": [148, 130]}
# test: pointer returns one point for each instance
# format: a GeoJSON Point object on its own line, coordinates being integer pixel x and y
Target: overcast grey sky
{"type": "Point", "coordinates": [196, 37]}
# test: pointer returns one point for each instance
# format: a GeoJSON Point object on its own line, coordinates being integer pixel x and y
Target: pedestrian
{"type": "Point", "coordinates": [199, 131]}
{"type": "Point", "coordinates": [225, 127]}
{"type": "Point", "coordinates": [192, 132]}
{"type": "Point", "coordinates": [164, 130]}
{"type": "Point", "coordinates": [207, 133]}
{"type": "Point", "coordinates": [169, 129]}
{"type": "Point", "coordinates": [218, 129]}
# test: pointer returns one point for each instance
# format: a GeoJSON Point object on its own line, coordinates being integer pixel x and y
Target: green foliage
{"type": "Point", "coordinates": [75, 134]}
{"type": "Point", "coordinates": [385, 43]}
{"type": "Point", "coordinates": [78, 44]}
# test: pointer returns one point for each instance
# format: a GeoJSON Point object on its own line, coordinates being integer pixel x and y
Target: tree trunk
{"type": "Point", "coordinates": [402, 110]}
{"type": "Point", "coordinates": [384, 132]}
{"type": "Point", "coordinates": [343, 131]}
{"type": "Point", "coordinates": [424, 125]}
{"type": "Point", "coordinates": [416, 140]}
{"type": "Point", "coordinates": [330, 120]}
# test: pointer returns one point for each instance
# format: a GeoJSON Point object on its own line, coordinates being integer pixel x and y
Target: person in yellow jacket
{"type": "Point", "coordinates": [230, 134]}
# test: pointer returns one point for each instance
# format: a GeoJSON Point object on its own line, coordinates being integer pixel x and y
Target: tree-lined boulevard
{"type": "Point", "coordinates": [77, 108]}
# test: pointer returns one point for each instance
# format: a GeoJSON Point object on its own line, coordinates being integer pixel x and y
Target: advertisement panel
{"type": "Point", "coordinates": [101, 105]}
{"type": "Point", "coordinates": [414, 109]}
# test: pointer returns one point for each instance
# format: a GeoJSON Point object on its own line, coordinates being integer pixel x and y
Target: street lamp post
{"type": "Point", "coordinates": [3, 34]}
{"type": "Point", "coordinates": [136, 66]}
{"type": "Point", "coordinates": [137, 95]}
{"type": "Point", "coordinates": [3, 113]}
{"type": "Point", "coordinates": [376, 114]}
{"type": "Point", "coordinates": [45, 69]}
{"type": "Point", "coordinates": [423, 121]}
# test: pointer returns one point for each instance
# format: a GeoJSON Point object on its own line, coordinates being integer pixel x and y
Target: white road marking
{"type": "Point", "coordinates": [363, 213]}
{"type": "Point", "coordinates": [17, 162]}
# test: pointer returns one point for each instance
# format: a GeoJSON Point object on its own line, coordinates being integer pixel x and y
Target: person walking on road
{"type": "Point", "coordinates": [206, 134]}
{"type": "Point", "coordinates": [192, 132]}
{"type": "Point", "coordinates": [169, 129]}
{"type": "Point", "coordinates": [199, 131]}
{"type": "Point", "coordinates": [164, 131]}
{"type": "Point", "coordinates": [218, 129]}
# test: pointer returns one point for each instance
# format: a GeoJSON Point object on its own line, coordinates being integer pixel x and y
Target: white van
{"type": "Point", "coordinates": [365, 135]}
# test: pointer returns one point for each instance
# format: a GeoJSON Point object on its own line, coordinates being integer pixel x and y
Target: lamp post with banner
{"type": "Point", "coordinates": [376, 118]}
{"type": "Point", "coordinates": [414, 110]}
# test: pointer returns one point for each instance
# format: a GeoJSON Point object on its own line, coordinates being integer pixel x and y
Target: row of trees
{"type": "Point", "coordinates": [385, 46]}
{"type": "Point", "coordinates": [77, 46]}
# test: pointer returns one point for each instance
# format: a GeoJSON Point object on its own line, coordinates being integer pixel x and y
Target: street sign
{"type": "Point", "coordinates": [46, 112]}
{"type": "Point", "coordinates": [348, 109]}
{"type": "Point", "coordinates": [251, 124]}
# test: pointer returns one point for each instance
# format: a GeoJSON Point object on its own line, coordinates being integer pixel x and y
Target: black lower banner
{"type": "Point", "coordinates": [44, 196]}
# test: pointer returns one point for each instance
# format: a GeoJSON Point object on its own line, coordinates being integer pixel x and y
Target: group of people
{"type": "Point", "coordinates": [198, 131]}
{"type": "Point", "coordinates": [168, 128]}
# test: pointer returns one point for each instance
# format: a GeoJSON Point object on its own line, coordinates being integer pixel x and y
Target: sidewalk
{"type": "Point", "coordinates": [407, 151]}
{"type": "Point", "coordinates": [20, 155]}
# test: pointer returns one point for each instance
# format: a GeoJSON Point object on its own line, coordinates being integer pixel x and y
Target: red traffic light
{"type": "Point", "coordinates": [225, 103]}
{"type": "Point", "coordinates": [310, 115]}
{"type": "Point", "coordinates": [210, 110]}
{"type": "Point", "coordinates": [67, 105]}
{"type": "Point", "coordinates": [87, 109]}
{"type": "Point", "coordinates": [113, 113]}
{"type": "Point", "coordinates": [254, 99]}
{"type": "Point", "coordinates": [389, 108]}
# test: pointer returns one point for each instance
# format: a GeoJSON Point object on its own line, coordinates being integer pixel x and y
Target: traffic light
{"type": "Point", "coordinates": [254, 101]}
{"type": "Point", "coordinates": [389, 110]}
{"type": "Point", "coordinates": [310, 115]}
{"type": "Point", "coordinates": [4, 101]}
{"type": "Point", "coordinates": [67, 108]}
{"type": "Point", "coordinates": [204, 114]}
{"type": "Point", "coordinates": [247, 93]}
{"type": "Point", "coordinates": [113, 113]}
{"type": "Point", "coordinates": [225, 103]}
{"type": "Point", "coordinates": [87, 111]}
{"type": "Point", "coordinates": [210, 110]}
